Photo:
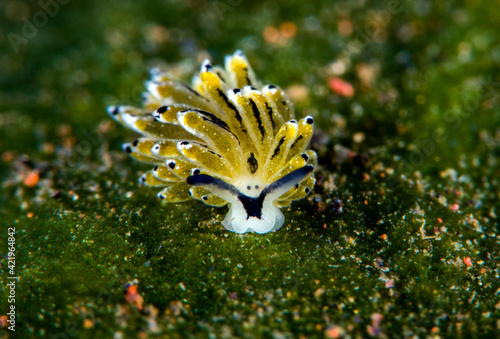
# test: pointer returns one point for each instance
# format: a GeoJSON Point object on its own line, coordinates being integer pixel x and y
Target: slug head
{"type": "Point", "coordinates": [253, 206]}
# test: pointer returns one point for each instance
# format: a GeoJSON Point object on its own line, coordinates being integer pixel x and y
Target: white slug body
{"type": "Point", "coordinates": [223, 141]}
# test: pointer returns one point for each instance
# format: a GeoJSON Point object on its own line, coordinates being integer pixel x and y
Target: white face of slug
{"type": "Point", "coordinates": [238, 221]}
{"type": "Point", "coordinates": [252, 204]}
{"type": "Point", "coordinates": [250, 187]}
{"type": "Point", "coordinates": [246, 215]}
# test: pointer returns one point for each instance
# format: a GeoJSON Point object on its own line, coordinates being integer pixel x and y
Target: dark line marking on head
{"type": "Point", "coordinates": [186, 86]}
{"type": "Point", "coordinates": [296, 141]}
{"type": "Point", "coordinates": [270, 114]}
{"type": "Point", "coordinates": [253, 165]}
{"type": "Point", "coordinates": [256, 114]}
{"type": "Point", "coordinates": [220, 75]}
{"type": "Point", "coordinates": [277, 149]}
{"type": "Point", "coordinates": [245, 69]}
{"type": "Point", "coordinates": [230, 105]}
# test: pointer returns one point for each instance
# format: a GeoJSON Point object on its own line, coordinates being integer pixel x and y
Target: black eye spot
{"type": "Point", "coordinates": [271, 87]}
{"type": "Point", "coordinates": [113, 110]}
{"type": "Point", "coordinates": [155, 168]}
{"type": "Point", "coordinates": [249, 188]}
{"type": "Point", "coordinates": [162, 109]}
{"type": "Point", "coordinates": [184, 143]}
{"type": "Point", "coordinates": [307, 190]}
{"type": "Point", "coordinates": [207, 66]}
{"type": "Point", "coordinates": [236, 90]}
{"type": "Point", "coordinates": [156, 147]}
{"type": "Point", "coordinates": [135, 143]}
{"type": "Point", "coordinates": [196, 171]}
{"type": "Point", "coordinates": [127, 148]}
{"type": "Point", "coordinates": [310, 120]}
{"type": "Point", "coordinates": [171, 164]}
{"type": "Point", "coordinates": [256, 187]}
{"type": "Point", "coordinates": [142, 179]}
{"type": "Point", "coordinates": [204, 197]}
{"type": "Point", "coordinates": [293, 121]}
{"type": "Point", "coordinates": [304, 156]}
{"type": "Point", "coordinates": [296, 186]}
{"type": "Point", "coordinates": [161, 196]}
{"type": "Point", "coordinates": [253, 88]}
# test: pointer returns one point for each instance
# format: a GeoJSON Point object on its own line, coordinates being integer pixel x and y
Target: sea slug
{"type": "Point", "coordinates": [225, 140]}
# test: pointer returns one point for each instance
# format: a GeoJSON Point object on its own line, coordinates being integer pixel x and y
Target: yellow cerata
{"type": "Point", "coordinates": [225, 140]}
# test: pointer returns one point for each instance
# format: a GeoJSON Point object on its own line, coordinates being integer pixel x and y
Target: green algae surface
{"type": "Point", "coordinates": [400, 237]}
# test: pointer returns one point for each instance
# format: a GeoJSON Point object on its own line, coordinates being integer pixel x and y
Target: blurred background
{"type": "Point", "coordinates": [405, 98]}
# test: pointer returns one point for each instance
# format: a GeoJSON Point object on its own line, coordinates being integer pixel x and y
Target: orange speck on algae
{"type": "Point", "coordinates": [271, 34]}
{"type": "Point", "coordinates": [334, 332]}
{"type": "Point", "coordinates": [133, 297]}
{"type": "Point", "coordinates": [468, 261]}
{"type": "Point", "coordinates": [7, 156]}
{"type": "Point", "coordinates": [32, 179]}
{"type": "Point", "coordinates": [48, 148]}
{"type": "Point", "coordinates": [288, 29]}
{"type": "Point", "coordinates": [389, 283]}
{"type": "Point", "coordinates": [340, 87]}
{"type": "Point", "coordinates": [88, 323]}
{"type": "Point", "coordinates": [345, 27]}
